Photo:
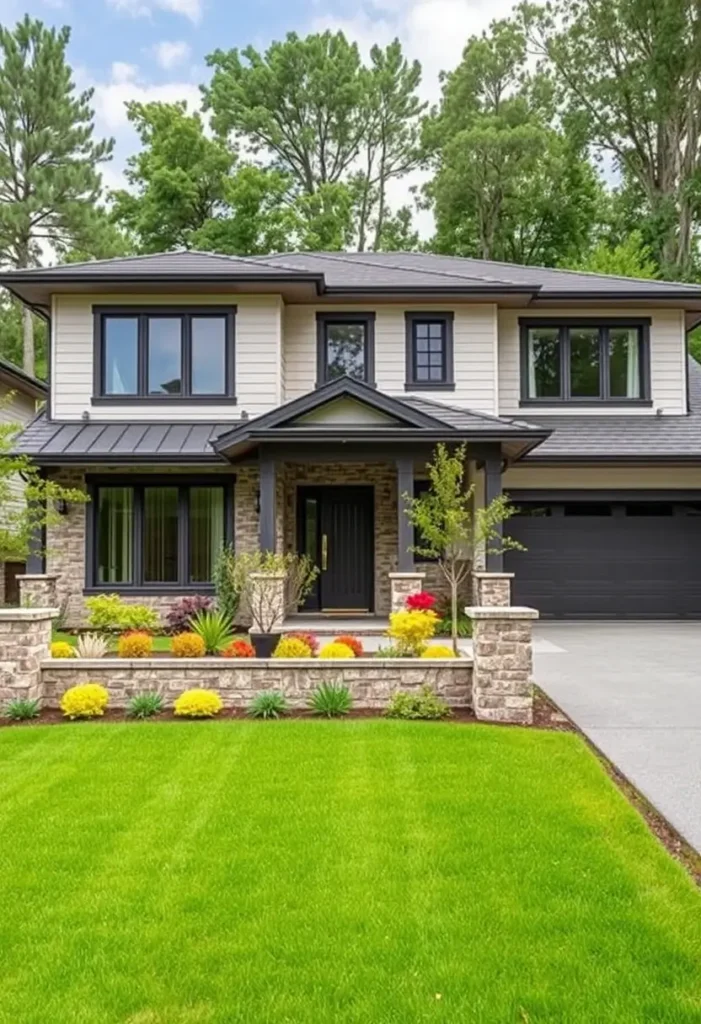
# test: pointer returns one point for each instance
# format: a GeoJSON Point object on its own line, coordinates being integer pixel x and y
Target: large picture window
{"type": "Point", "coordinates": [157, 534]}
{"type": "Point", "coordinates": [161, 353]}
{"type": "Point", "coordinates": [585, 361]}
{"type": "Point", "coordinates": [345, 346]}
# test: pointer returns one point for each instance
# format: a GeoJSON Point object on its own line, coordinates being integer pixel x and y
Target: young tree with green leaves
{"type": "Point", "coordinates": [28, 501]}
{"type": "Point", "coordinates": [451, 525]}
{"type": "Point", "coordinates": [630, 72]}
{"type": "Point", "coordinates": [630, 258]}
{"type": "Point", "coordinates": [508, 185]}
{"type": "Point", "coordinates": [49, 178]}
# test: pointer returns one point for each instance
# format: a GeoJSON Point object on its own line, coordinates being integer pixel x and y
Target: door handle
{"type": "Point", "coordinates": [324, 552]}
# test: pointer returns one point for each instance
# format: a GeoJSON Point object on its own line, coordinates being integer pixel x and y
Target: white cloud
{"type": "Point", "coordinates": [191, 9]}
{"type": "Point", "coordinates": [168, 54]}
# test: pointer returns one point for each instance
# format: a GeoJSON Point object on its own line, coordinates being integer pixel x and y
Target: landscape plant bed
{"type": "Point", "coordinates": [492, 874]}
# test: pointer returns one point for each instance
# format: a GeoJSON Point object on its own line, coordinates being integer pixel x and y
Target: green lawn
{"type": "Point", "coordinates": [332, 872]}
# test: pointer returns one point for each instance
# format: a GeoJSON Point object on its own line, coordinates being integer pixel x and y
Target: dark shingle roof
{"type": "Point", "coordinates": [348, 272]}
{"type": "Point", "coordinates": [628, 436]}
{"type": "Point", "coordinates": [428, 270]}
{"type": "Point", "coordinates": [467, 419]}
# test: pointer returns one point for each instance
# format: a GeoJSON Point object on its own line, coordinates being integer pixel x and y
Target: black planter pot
{"type": "Point", "coordinates": [264, 643]}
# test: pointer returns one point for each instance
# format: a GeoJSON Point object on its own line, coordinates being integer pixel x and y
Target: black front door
{"type": "Point", "coordinates": [335, 528]}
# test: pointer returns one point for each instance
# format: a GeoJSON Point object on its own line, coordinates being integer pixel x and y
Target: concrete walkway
{"type": "Point", "coordinates": [635, 689]}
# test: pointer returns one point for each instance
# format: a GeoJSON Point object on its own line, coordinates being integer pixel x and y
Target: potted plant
{"type": "Point", "coordinates": [269, 586]}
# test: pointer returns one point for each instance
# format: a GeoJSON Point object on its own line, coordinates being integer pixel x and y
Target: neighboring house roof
{"type": "Point", "coordinates": [409, 419]}
{"type": "Point", "coordinates": [17, 380]}
{"type": "Point", "coordinates": [601, 438]}
{"type": "Point", "coordinates": [348, 273]}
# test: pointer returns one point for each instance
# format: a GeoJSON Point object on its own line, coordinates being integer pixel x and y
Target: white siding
{"type": "Point", "coordinates": [475, 344]}
{"type": "Point", "coordinates": [258, 358]}
{"type": "Point", "coordinates": [667, 360]}
{"type": "Point", "coordinates": [15, 408]}
{"type": "Point", "coordinates": [527, 477]}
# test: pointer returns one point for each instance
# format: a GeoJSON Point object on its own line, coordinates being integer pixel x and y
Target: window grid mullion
{"type": "Point", "coordinates": [604, 374]}
{"type": "Point", "coordinates": [183, 534]}
{"type": "Point", "coordinates": [565, 361]}
{"type": "Point", "coordinates": [142, 350]}
{"type": "Point", "coordinates": [138, 536]}
{"type": "Point", "coordinates": [186, 354]}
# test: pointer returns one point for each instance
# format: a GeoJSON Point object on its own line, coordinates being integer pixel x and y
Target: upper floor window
{"type": "Point", "coordinates": [164, 353]}
{"type": "Point", "coordinates": [429, 351]}
{"type": "Point", "coordinates": [345, 345]}
{"type": "Point", "coordinates": [585, 361]}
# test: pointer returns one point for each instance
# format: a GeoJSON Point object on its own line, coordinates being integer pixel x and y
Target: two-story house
{"type": "Point", "coordinates": [289, 402]}
{"type": "Point", "coordinates": [19, 395]}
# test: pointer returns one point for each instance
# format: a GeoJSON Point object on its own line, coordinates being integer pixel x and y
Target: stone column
{"type": "Point", "coordinates": [25, 635]}
{"type": "Point", "coordinates": [492, 589]}
{"type": "Point", "coordinates": [2, 584]}
{"type": "Point", "coordinates": [267, 604]}
{"type": "Point", "coordinates": [402, 585]}
{"type": "Point", "coordinates": [502, 689]}
{"type": "Point", "coordinates": [38, 590]}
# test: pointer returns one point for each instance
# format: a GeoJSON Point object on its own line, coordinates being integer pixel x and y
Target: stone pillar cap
{"type": "Point", "coordinates": [407, 575]}
{"type": "Point", "coordinates": [480, 575]}
{"type": "Point", "coordinates": [37, 576]}
{"type": "Point", "coordinates": [27, 614]}
{"type": "Point", "coordinates": [505, 612]}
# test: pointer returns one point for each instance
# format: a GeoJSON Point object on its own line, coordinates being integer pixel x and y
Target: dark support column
{"type": "Point", "coordinates": [266, 534]}
{"type": "Point", "coordinates": [405, 531]}
{"type": "Point", "coordinates": [35, 552]}
{"type": "Point", "coordinates": [492, 490]}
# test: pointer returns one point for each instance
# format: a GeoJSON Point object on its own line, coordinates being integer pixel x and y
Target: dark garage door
{"type": "Point", "coordinates": [632, 559]}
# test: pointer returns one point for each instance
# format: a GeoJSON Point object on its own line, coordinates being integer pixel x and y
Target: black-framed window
{"type": "Point", "coordinates": [156, 533]}
{"type": "Point", "coordinates": [345, 345]}
{"type": "Point", "coordinates": [429, 351]}
{"type": "Point", "coordinates": [585, 361]}
{"type": "Point", "coordinates": [164, 353]}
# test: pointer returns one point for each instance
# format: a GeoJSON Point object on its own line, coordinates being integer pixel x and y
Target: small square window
{"type": "Point", "coordinates": [429, 350]}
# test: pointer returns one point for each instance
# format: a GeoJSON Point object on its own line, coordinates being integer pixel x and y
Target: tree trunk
{"type": "Point", "coordinates": [454, 616]}
{"type": "Point", "coordinates": [27, 341]}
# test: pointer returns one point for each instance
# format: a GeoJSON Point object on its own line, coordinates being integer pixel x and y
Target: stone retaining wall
{"type": "Point", "coordinates": [372, 681]}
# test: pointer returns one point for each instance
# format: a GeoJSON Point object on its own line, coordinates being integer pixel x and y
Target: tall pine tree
{"type": "Point", "coordinates": [49, 181]}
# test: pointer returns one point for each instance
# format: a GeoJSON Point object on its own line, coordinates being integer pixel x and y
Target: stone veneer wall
{"type": "Point", "coordinates": [66, 540]}
{"type": "Point", "coordinates": [371, 681]}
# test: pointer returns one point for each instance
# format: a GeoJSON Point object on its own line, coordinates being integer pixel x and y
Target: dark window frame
{"type": "Point", "coordinates": [604, 324]}
{"type": "Point", "coordinates": [323, 320]}
{"type": "Point", "coordinates": [186, 314]}
{"type": "Point", "coordinates": [420, 487]}
{"type": "Point", "coordinates": [138, 484]}
{"type": "Point", "coordinates": [447, 320]}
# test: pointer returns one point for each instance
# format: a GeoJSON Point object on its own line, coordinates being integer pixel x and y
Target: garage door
{"type": "Point", "coordinates": [586, 558]}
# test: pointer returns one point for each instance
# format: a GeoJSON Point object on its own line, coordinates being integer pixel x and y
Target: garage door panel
{"type": "Point", "coordinates": [606, 566]}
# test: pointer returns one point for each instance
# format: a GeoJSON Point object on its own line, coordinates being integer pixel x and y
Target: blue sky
{"type": "Point", "coordinates": [155, 49]}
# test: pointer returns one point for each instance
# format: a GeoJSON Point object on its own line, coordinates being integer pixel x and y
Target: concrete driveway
{"type": "Point", "coordinates": [635, 689]}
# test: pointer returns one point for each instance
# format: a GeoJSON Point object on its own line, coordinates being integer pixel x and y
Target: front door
{"type": "Point", "coordinates": [335, 528]}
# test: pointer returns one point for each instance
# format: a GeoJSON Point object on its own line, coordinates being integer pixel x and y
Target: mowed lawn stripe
{"type": "Point", "coordinates": [217, 872]}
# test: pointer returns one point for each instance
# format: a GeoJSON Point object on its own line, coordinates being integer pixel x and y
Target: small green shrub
{"type": "Point", "coordinates": [424, 704]}
{"type": "Point", "coordinates": [445, 626]}
{"type": "Point", "coordinates": [389, 652]}
{"type": "Point", "coordinates": [145, 705]}
{"type": "Point", "coordinates": [331, 700]}
{"type": "Point", "coordinates": [110, 614]}
{"type": "Point", "coordinates": [216, 630]}
{"type": "Point", "coordinates": [21, 710]}
{"type": "Point", "coordinates": [270, 704]}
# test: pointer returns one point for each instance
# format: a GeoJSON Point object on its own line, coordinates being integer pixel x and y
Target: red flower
{"type": "Point", "coordinates": [421, 602]}
{"type": "Point", "coordinates": [353, 642]}
{"type": "Point", "coordinates": [239, 649]}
